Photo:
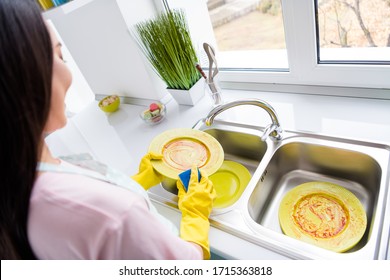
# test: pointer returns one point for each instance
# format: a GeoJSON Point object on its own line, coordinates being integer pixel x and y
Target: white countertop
{"type": "Point", "coordinates": [122, 138]}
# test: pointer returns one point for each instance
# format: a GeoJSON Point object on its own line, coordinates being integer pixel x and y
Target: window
{"type": "Point", "coordinates": [353, 31]}
{"type": "Point", "coordinates": [305, 42]}
{"type": "Point", "coordinates": [249, 34]}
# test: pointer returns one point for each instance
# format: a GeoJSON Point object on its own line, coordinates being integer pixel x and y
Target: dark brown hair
{"type": "Point", "coordinates": [26, 61]}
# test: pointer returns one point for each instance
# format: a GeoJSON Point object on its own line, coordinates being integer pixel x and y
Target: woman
{"type": "Point", "coordinates": [77, 209]}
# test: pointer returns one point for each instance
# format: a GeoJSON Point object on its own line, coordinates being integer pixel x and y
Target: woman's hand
{"type": "Point", "coordinates": [196, 204]}
{"type": "Point", "coordinates": [147, 176]}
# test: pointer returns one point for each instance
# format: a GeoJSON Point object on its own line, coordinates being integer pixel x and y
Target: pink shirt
{"type": "Point", "coordinates": [78, 217]}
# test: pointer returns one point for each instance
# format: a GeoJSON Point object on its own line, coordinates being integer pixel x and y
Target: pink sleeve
{"type": "Point", "coordinates": [140, 235]}
{"type": "Point", "coordinates": [74, 217]}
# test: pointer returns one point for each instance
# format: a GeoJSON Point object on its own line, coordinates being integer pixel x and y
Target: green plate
{"type": "Point", "coordinates": [229, 181]}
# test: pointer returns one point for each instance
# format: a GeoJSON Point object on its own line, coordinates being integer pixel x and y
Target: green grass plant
{"type": "Point", "coordinates": [167, 44]}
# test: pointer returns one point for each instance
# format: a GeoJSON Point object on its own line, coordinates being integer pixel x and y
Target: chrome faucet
{"type": "Point", "coordinates": [274, 131]}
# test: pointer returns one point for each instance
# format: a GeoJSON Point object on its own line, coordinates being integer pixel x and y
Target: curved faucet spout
{"type": "Point", "coordinates": [274, 130]}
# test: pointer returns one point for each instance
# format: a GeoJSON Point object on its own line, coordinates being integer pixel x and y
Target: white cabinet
{"type": "Point", "coordinates": [97, 36]}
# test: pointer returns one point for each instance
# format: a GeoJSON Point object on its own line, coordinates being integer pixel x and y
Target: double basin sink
{"type": "Point", "coordinates": [278, 166]}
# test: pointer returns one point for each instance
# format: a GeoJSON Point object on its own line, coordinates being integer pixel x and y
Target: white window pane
{"type": "Point", "coordinates": [249, 33]}
{"type": "Point", "coordinates": [354, 30]}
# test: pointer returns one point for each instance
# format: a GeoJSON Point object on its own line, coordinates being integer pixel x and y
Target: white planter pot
{"type": "Point", "coordinates": [188, 97]}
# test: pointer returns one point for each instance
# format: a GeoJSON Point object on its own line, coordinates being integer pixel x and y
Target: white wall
{"type": "Point", "coordinates": [79, 94]}
{"type": "Point", "coordinates": [96, 34]}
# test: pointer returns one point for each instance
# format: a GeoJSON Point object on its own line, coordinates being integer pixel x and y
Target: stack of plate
{"type": "Point", "coordinates": [184, 147]}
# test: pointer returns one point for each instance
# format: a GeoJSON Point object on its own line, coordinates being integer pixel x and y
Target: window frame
{"type": "Point", "coordinates": [304, 66]}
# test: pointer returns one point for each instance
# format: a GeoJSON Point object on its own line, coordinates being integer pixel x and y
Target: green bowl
{"type": "Point", "coordinates": [109, 104]}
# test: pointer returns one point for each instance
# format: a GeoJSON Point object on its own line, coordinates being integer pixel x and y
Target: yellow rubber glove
{"type": "Point", "coordinates": [147, 176]}
{"type": "Point", "coordinates": [196, 204]}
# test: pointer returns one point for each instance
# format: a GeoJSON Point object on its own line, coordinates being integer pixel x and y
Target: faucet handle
{"type": "Point", "coordinates": [272, 131]}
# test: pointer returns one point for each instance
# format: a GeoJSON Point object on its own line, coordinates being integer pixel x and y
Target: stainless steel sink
{"type": "Point", "coordinates": [355, 166]}
{"type": "Point", "coordinates": [242, 145]}
{"type": "Point", "coordinates": [278, 166]}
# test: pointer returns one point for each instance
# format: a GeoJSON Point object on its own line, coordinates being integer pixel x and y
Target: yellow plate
{"type": "Point", "coordinates": [323, 214]}
{"type": "Point", "coordinates": [229, 182]}
{"type": "Point", "coordinates": [183, 147]}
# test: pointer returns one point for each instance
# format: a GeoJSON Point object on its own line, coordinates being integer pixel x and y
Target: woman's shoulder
{"type": "Point", "coordinates": [75, 191]}
{"type": "Point", "coordinates": [85, 212]}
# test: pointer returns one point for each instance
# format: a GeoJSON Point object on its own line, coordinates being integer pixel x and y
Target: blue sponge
{"type": "Point", "coordinates": [185, 178]}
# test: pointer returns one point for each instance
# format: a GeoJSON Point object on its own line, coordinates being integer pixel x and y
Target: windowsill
{"type": "Point", "coordinates": [241, 70]}
{"type": "Point", "coordinates": [354, 92]}
{"type": "Point", "coordinates": [277, 59]}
